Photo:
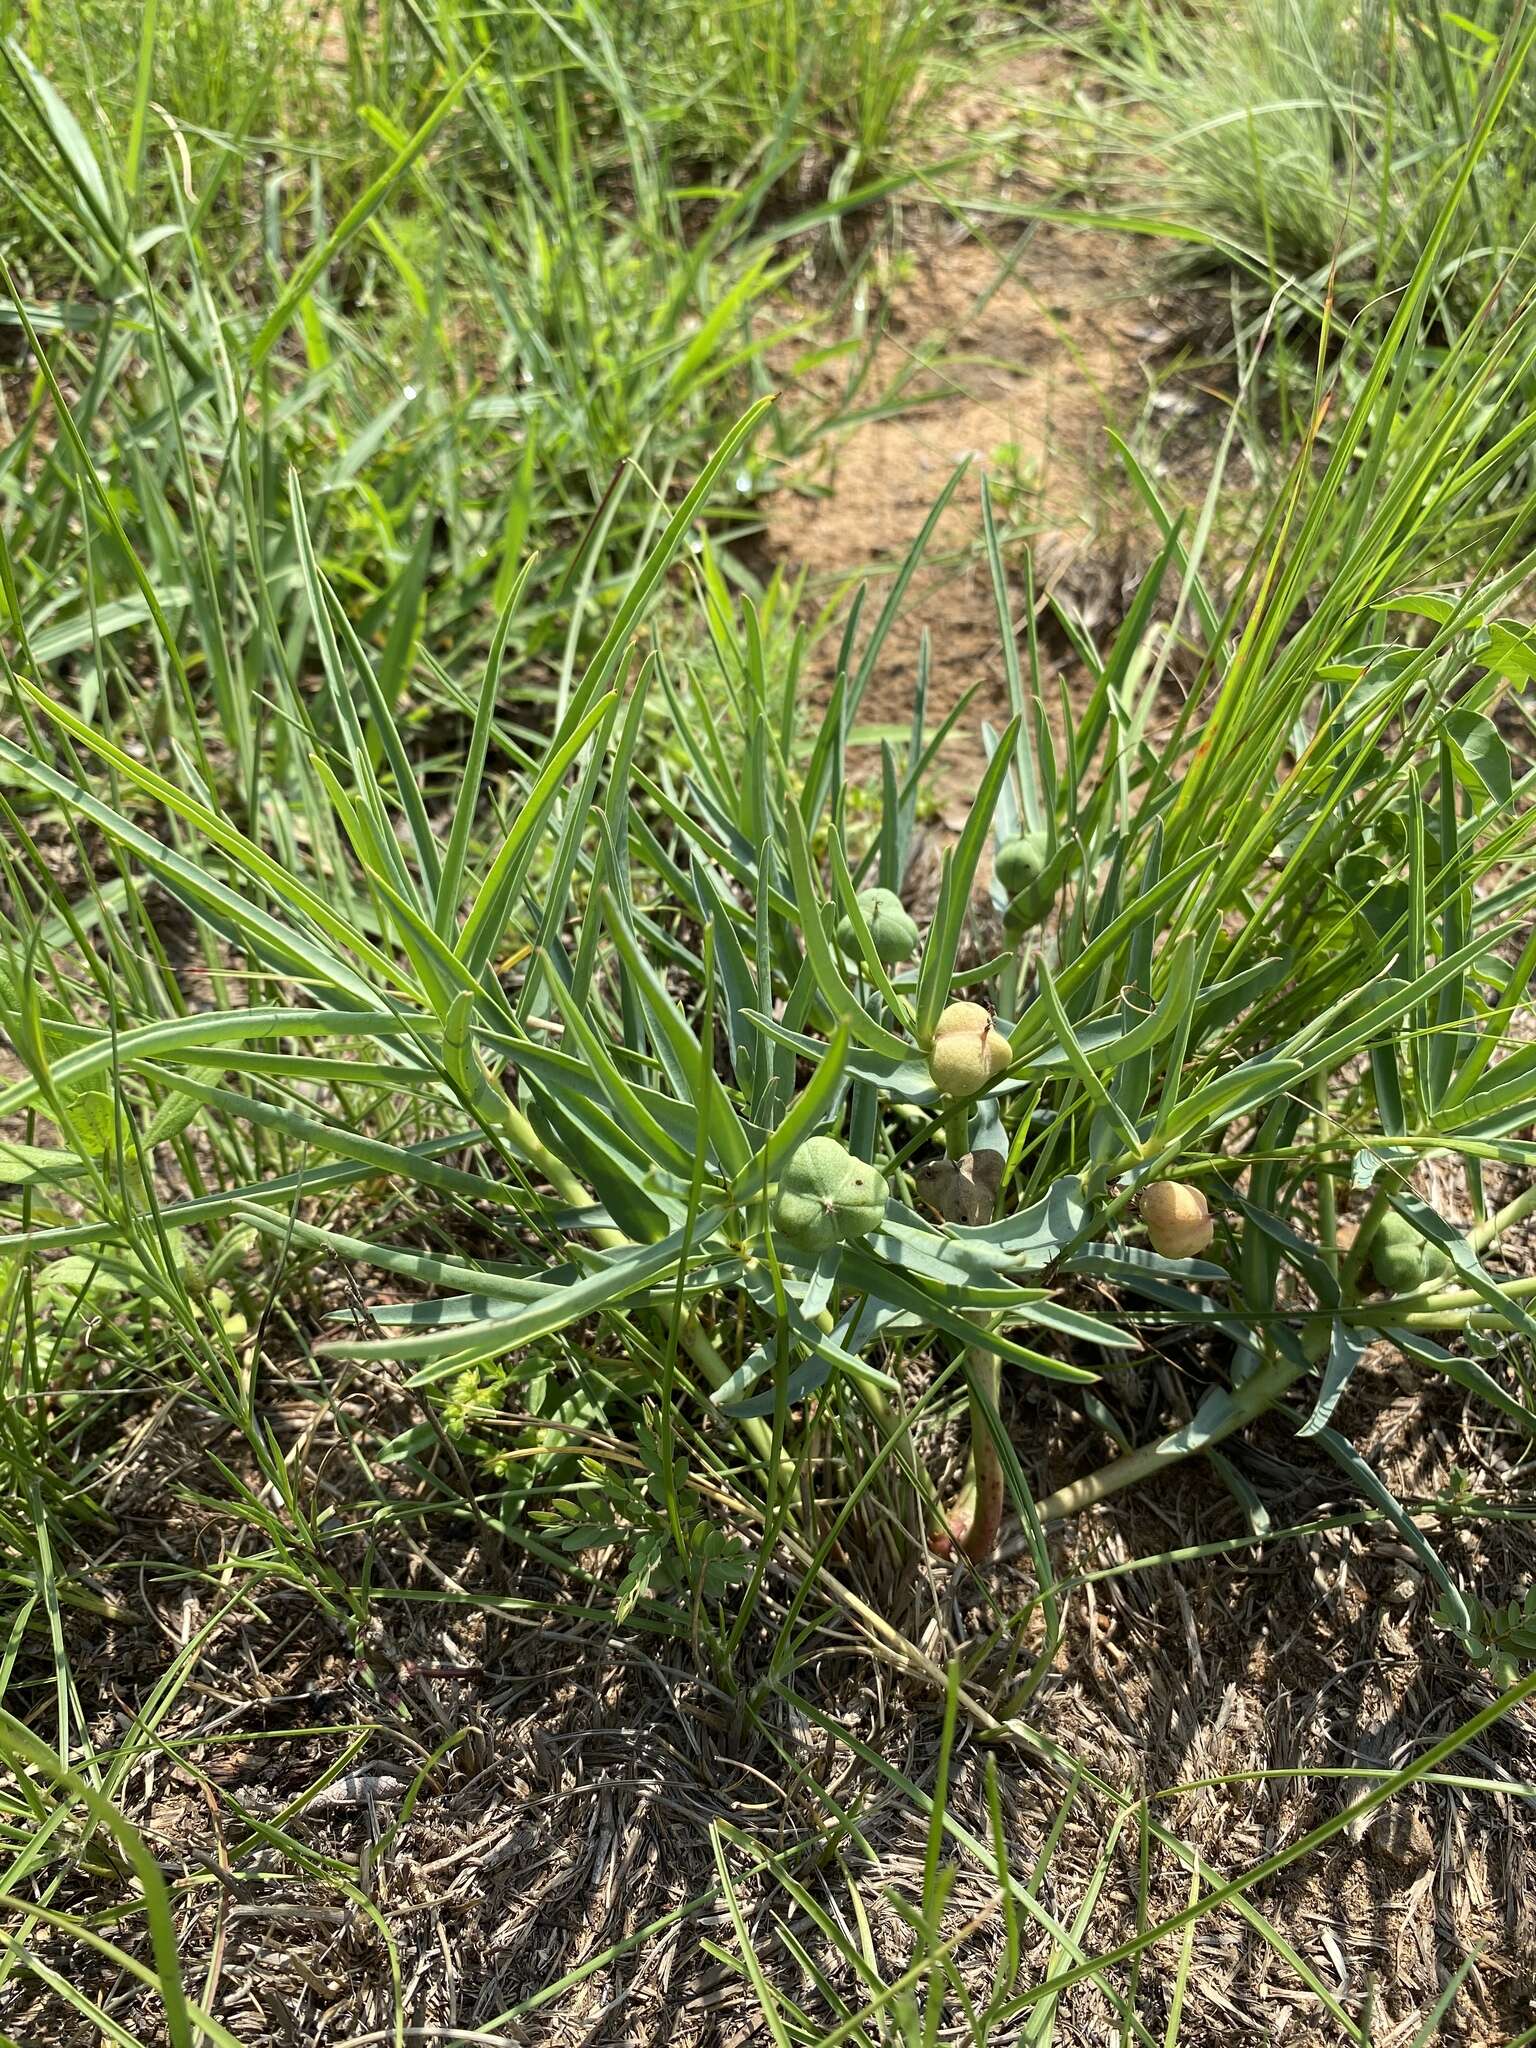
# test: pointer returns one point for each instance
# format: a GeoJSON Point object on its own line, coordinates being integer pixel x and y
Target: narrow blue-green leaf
{"type": "Point", "coordinates": [1346, 1348]}
{"type": "Point", "coordinates": [625, 1098]}
{"type": "Point", "coordinates": [614, 1279]}
{"type": "Point", "coordinates": [835, 992]}
{"type": "Point", "coordinates": [451, 882]}
{"type": "Point", "coordinates": [954, 903]}
{"type": "Point", "coordinates": [484, 925]}
{"type": "Point", "coordinates": [651, 570]}
{"type": "Point", "coordinates": [809, 1108]}
{"type": "Point", "coordinates": [720, 1118]}
{"type": "Point", "coordinates": [883, 1282]}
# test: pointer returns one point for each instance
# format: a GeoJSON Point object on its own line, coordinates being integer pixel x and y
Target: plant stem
{"type": "Point", "coordinates": [977, 1515]}
{"type": "Point", "coordinates": [700, 1346]}
{"type": "Point", "coordinates": [1449, 1310]}
{"type": "Point", "coordinates": [1248, 1401]}
{"type": "Point", "coordinates": [1327, 1206]}
{"type": "Point", "coordinates": [1505, 1219]}
{"type": "Point", "coordinates": [1462, 1310]}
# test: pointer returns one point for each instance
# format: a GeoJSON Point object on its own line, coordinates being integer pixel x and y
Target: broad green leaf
{"type": "Point", "coordinates": [1482, 759]}
{"type": "Point", "coordinates": [23, 1165]}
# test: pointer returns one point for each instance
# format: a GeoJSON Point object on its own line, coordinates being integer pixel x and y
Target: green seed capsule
{"type": "Point", "coordinates": [1401, 1259]}
{"type": "Point", "coordinates": [828, 1197]}
{"type": "Point", "coordinates": [1019, 867]}
{"type": "Point", "coordinates": [891, 927]}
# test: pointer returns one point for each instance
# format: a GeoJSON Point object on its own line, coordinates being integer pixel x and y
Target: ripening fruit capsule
{"type": "Point", "coordinates": [890, 926]}
{"type": "Point", "coordinates": [1401, 1259]}
{"type": "Point", "coordinates": [968, 1050]}
{"type": "Point", "coordinates": [828, 1197]}
{"type": "Point", "coordinates": [1022, 861]}
{"type": "Point", "coordinates": [1178, 1221]}
{"type": "Point", "coordinates": [1019, 866]}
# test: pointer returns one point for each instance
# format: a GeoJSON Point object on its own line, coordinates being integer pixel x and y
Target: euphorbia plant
{"type": "Point", "coordinates": [758, 1171]}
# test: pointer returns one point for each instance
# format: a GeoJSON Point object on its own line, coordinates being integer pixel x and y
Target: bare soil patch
{"type": "Point", "coordinates": [1014, 352]}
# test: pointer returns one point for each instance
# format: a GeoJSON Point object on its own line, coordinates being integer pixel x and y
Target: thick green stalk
{"type": "Point", "coordinates": [1504, 1219]}
{"type": "Point", "coordinates": [978, 1514]}
{"type": "Point", "coordinates": [1249, 1401]}
{"type": "Point", "coordinates": [700, 1346]}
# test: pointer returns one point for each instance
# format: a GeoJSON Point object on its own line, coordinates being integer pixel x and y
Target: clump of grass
{"type": "Point", "coordinates": [178, 93]}
{"type": "Point", "coordinates": [1317, 144]}
{"type": "Point", "coordinates": [465, 361]}
{"type": "Point", "coordinates": [1293, 160]}
{"type": "Point", "coordinates": [852, 80]}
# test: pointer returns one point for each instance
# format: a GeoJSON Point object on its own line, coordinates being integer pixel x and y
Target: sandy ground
{"type": "Point", "coordinates": [1025, 345]}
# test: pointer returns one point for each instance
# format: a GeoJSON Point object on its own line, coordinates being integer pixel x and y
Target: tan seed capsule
{"type": "Point", "coordinates": [968, 1050]}
{"type": "Point", "coordinates": [1178, 1222]}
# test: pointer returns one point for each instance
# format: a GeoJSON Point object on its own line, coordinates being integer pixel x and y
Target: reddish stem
{"type": "Point", "coordinates": [977, 1516]}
